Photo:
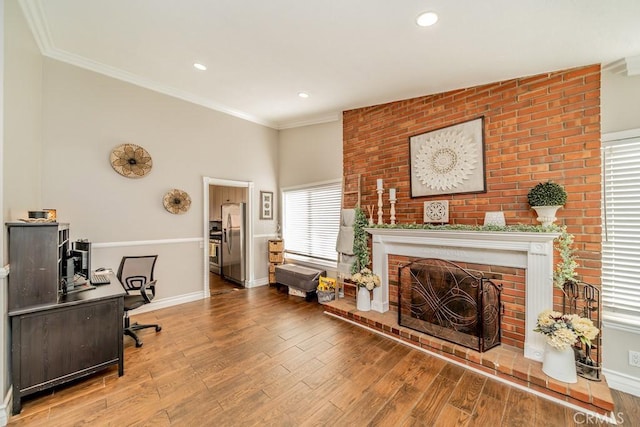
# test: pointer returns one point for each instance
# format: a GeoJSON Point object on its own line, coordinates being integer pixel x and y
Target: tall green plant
{"type": "Point", "coordinates": [565, 270]}
{"type": "Point", "coordinates": [360, 241]}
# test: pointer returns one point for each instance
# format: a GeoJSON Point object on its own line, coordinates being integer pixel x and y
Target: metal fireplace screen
{"type": "Point", "coordinates": [444, 300]}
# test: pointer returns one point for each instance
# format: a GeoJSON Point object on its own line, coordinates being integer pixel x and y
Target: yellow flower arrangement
{"type": "Point", "coordinates": [326, 284]}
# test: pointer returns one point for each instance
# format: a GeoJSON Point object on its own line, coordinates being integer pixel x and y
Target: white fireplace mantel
{"type": "Point", "coordinates": [531, 251]}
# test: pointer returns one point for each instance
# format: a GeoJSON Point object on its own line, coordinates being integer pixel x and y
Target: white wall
{"type": "Point", "coordinates": [22, 117]}
{"type": "Point", "coordinates": [86, 115]}
{"type": "Point", "coordinates": [310, 154]}
{"type": "Point", "coordinates": [620, 103]}
{"type": "Point", "coordinates": [4, 350]}
{"type": "Point", "coordinates": [21, 133]}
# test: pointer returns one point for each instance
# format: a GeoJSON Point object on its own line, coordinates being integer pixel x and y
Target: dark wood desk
{"type": "Point", "coordinates": [55, 343]}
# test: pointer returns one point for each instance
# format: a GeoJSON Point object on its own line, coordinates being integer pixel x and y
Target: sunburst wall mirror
{"type": "Point", "coordinates": [131, 160]}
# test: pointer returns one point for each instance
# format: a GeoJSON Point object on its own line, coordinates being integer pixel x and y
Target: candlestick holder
{"type": "Point", "coordinates": [393, 210]}
{"type": "Point", "coordinates": [379, 206]}
{"type": "Point", "coordinates": [370, 210]}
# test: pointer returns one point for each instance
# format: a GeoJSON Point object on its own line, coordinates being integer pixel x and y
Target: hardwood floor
{"type": "Point", "coordinates": [260, 357]}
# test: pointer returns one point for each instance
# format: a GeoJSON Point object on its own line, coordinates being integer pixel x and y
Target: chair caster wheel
{"type": "Point", "coordinates": [138, 344]}
{"type": "Point", "coordinates": [158, 328]}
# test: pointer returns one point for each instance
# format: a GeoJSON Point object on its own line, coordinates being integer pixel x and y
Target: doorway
{"type": "Point", "coordinates": [217, 192]}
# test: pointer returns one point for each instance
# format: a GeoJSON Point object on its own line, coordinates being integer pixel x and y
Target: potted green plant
{"type": "Point", "coordinates": [546, 198]}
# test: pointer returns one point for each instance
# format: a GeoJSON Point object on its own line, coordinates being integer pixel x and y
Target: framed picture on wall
{"type": "Point", "coordinates": [449, 160]}
{"type": "Point", "coordinates": [266, 205]}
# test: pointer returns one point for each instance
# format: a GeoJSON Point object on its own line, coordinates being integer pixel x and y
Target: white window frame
{"type": "Point", "coordinates": [306, 259]}
{"type": "Point", "coordinates": [611, 314]}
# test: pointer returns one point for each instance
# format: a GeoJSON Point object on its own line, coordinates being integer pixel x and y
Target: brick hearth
{"type": "Point", "coordinates": [505, 362]}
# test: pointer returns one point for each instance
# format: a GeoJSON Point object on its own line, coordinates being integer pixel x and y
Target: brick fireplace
{"type": "Point", "coordinates": [530, 251]}
{"type": "Point", "coordinates": [536, 128]}
{"type": "Point", "coordinates": [517, 364]}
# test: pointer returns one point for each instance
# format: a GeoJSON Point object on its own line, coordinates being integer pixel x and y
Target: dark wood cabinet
{"type": "Point", "coordinates": [75, 337]}
{"type": "Point", "coordinates": [35, 259]}
{"type": "Point", "coordinates": [56, 338]}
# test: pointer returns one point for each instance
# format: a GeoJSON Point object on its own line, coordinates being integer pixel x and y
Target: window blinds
{"type": "Point", "coordinates": [311, 221]}
{"type": "Point", "coordinates": [621, 226]}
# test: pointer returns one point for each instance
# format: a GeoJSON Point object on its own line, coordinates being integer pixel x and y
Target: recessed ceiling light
{"type": "Point", "coordinates": [427, 19]}
{"type": "Point", "coordinates": [199, 66]}
{"type": "Point", "coordinates": [304, 95]}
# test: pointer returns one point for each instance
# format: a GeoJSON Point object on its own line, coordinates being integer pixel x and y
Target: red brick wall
{"type": "Point", "coordinates": [536, 128]}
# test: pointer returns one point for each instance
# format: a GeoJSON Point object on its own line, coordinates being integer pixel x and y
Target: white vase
{"type": "Point", "coordinates": [546, 214]}
{"type": "Point", "coordinates": [560, 364]}
{"type": "Point", "coordinates": [363, 301]}
{"type": "Point", "coordinates": [376, 299]}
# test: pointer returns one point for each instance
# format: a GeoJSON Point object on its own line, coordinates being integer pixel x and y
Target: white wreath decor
{"type": "Point", "coordinates": [445, 160]}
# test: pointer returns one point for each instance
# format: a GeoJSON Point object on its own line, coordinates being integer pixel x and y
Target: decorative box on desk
{"type": "Point", "coordinates": [276, 257]}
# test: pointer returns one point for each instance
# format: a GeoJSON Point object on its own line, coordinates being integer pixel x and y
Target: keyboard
{"type": "Point", "coordinates": [100, 279]}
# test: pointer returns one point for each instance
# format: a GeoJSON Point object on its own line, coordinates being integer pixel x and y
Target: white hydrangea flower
{"type": "Point", "coordinates": [366, 278]}
{"type": "Point", "coordinates": [563, 330]}
{"type": "Point", "coordinates": [584, 327]}
{"type": "Point", "coordinates": [562, 338]}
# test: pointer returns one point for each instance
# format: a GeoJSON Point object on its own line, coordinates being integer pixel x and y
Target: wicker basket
{"type": "Point", "coordinates": [326, 296]}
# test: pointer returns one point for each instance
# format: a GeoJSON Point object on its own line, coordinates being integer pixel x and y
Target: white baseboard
{"type": "Point", "coordinates": [157, 304]}
{"type": "Point", "coordinates": [4, 271]}
{"type": "Point", "coordinates": [258, 282]}
{"type": "Point", "coordinates": [5, 408]}
{"type": "Point", "coordinates": [623, 382]}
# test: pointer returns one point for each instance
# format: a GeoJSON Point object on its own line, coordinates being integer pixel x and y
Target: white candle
{"type": "Point", "coordinates": [392, 193]}
{"type": "Point", "coordinates": [379, 187]}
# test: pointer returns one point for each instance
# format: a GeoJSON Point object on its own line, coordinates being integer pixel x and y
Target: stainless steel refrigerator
{"type": "Point", "coordinates": [233, 242]}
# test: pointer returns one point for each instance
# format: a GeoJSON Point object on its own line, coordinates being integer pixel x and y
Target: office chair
{"type": "Point", "coordinates": [136, 276]}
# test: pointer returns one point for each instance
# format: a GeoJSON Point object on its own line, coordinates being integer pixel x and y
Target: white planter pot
{"type": "Point", "coordinates": [546, 214]}
{"type": "Point", "coordinates": [560, 364]}
{"type": "Point", "coordinates": [363, 301]}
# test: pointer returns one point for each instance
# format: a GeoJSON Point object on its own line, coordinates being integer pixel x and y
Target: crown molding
{"type": "Point", "coordinates": [629, 66]}
{"type": "Point", "coordinates": [134, 79]}
{"type": "Point", "coordinates": [36, 18]}
{"type": "Point", "coordinates": [332, 117]}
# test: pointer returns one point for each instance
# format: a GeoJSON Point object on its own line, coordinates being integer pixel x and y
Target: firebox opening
{"type": "Point", "coordinates": [442, 299]}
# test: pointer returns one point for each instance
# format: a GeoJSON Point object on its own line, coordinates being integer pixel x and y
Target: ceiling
{"type": "Point", "coordinates": [344, 53]}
